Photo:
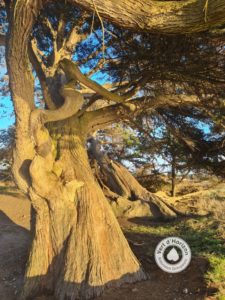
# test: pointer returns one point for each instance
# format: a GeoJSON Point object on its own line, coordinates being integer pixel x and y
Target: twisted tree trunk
{"type": "Point", "coordinates": [78, 247]}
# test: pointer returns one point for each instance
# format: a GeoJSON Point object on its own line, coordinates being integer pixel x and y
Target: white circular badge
{"type": "Point", "coordinates": [173, 255]}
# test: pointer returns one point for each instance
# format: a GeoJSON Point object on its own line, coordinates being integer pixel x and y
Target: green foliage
{"type": "Point", "coordinates": [6, 147]}
{"type": "Point", "coordinates": [199, 233]}
{"type": "Point", "coordinates": [216, 274]}
{"type": "Point", "coordinates": [217, 269]}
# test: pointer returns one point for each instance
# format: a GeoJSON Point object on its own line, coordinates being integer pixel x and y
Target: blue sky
{"type": "Point", "coordinates": [6, 107]}
{"type": "Point", "coordinates": [6, 113]}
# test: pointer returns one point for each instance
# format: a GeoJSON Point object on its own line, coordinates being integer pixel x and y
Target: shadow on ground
{"type": "Point", "coordinates": [190, 284]}
{"type": "Point", "coordinates": [14, 243]}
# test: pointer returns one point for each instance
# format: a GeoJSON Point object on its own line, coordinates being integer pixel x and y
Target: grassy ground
{"type": "Point", "coordinates": [205, 235]}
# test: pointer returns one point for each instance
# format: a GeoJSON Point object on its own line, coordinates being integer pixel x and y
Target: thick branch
{"type": "Point", "coordinates": [73, 73]}
{"type": "Point", "coordinates": [54, 41]}
{"type": "Point", "coordinates": [73, 39]}
{"type": "Point", "coordinates": [61, 33]}
{"type": "Point", "coordinates": [21, 82]}
{"type": "Point", "coordinates": [73, 100]}
{"type": "Point", "coordinates": [161, 16]}
{"type": "Point", "coordinates": [105, 116]}
{"type": "Point", "coordinates": [101, 118]}
{"type": "Point", "coordinates": [40, 71]}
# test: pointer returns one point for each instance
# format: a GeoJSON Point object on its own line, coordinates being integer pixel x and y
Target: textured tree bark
{"type": "Point", "coordinates": [160, 16]}
{"type": "Point", "coordinates": [78, 247]}
{"type": "Point", "coordinates": [22, 90]}
{"type": "Point", "coordinates": [156, 16]}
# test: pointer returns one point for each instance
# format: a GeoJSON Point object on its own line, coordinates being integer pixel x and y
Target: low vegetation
{"type": "Point", "coordinates": [206, 237]}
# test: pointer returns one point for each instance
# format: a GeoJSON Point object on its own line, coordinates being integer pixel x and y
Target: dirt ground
{"type": "Point", "coordinates": [15, 241]}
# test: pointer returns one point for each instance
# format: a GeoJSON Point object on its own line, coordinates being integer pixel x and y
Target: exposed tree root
{"type": "Point", "coordinates": [126, 196]}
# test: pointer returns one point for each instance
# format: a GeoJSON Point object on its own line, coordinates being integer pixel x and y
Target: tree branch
{"type": "Point", "coordinates": [40, 71]}
{"type": "Point", "coordinates": [101, 118]}
{"type": "Point", "coordinates": [61, 33]}
{"type": "Point", "coordinates": [74, 38]}
{"type": "Point", "coordinates": [160, 16]}
{"type": "Point", "coordinates": [22, 16]}
{"type": "Point", "coordinates": [73, 73]}
{"type": "Point", "coordinates": [73, 100]}
{"type": "Point", "coordinates": [105, 116]}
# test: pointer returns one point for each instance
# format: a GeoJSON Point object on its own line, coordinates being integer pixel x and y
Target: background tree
{"type": "Point", "coordinates": [6, 148]}
{"type": "Point", "coordinates": [149, 148]}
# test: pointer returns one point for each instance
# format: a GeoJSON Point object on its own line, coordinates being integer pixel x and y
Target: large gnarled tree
{"type": "Point", "coordinates": [78, 246]}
